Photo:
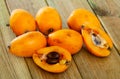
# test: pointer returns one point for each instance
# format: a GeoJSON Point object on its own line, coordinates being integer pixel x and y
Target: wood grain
{"type": "Point", "coordinates": [84, 64]}
{"type": "Point", "coordinates": [108, 12]}
{"type": "Point", "coordinates": [106, 7]}
{"type": "Point", "coordinates": [12, 67]}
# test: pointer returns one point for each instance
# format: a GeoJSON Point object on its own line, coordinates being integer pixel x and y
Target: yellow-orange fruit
{"type": "Point", "coordinates": [97, 41]}
{"type": "Point", "coordinates": [48, 20]}
{"type": "Point", "coordinates": [66, 38]}
{"type": "Point", "coordinates": [22, 21]}
{"type": "Point", "coordinates": [27, 44]}
{"type": "Point", "coordinates": [80, 17]}
{"type": "Point", "coordinates": [52, 59]}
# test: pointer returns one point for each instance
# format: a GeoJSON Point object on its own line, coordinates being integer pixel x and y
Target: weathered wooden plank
{"type": "Point", "coordinates": [92, 67]}
{"type": "Point", "coordinates": [106, 7]}
{"type": "Point", "coordinates": [89, 66]}
{"type": "Point", "coordinates": [36, 72]}
{"type": "Point", "coordinates": [29, 5]}
{"type": "Point", "coordinates": [3, 64]}
{"type": "Point", "coordinates": [11, 67]}
{"type": "Point", "coordinates": [108, 12]}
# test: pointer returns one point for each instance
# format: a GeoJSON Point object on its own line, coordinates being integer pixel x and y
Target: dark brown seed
{"type": "Point", "coordinates": [52, 61]}
{"type": "Point", "coordinates": [53, 55]}
{"type": "Point", "coordinates": [96, 39]}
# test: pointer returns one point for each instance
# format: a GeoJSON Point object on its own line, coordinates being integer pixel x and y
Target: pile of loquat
{"type": "Point", "coordinates": [52, 47]}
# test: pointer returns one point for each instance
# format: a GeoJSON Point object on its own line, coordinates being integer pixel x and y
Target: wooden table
{"type": "Point", "coordinates": [84, 65]}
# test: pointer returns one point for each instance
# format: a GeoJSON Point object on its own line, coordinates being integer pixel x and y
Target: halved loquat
{"type": "Point", "coordinates": [66, 38]}
{"type": "Point", "coordinates": [48, 20]}
{"type": "Point", "coordinates": [80, 17]}
{"type": "Point", "coordinates": [97, 41]}
{"type": "Point", "coordinates": [22, 21]}
{"type": "Point", "coordinates": [52, 59]}
{"type": "Point", "coordinates": [27, 44]}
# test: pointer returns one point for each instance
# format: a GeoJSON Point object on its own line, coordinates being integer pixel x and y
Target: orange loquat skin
{"type": "Point", "coordinates": [80, 17]}
{"type": "Point", "coordinates": [40, 59]}
{"type": "Point", "coordinates": [27, 44]}
{"type": "Point", "coordinates": [22, 21]}
{"type": "Point", "coordinates": [48, 20]}
{"type": "Point", "coordinates": [95, 50]}
{"type": "Point", "coordinates": [66, 38]}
